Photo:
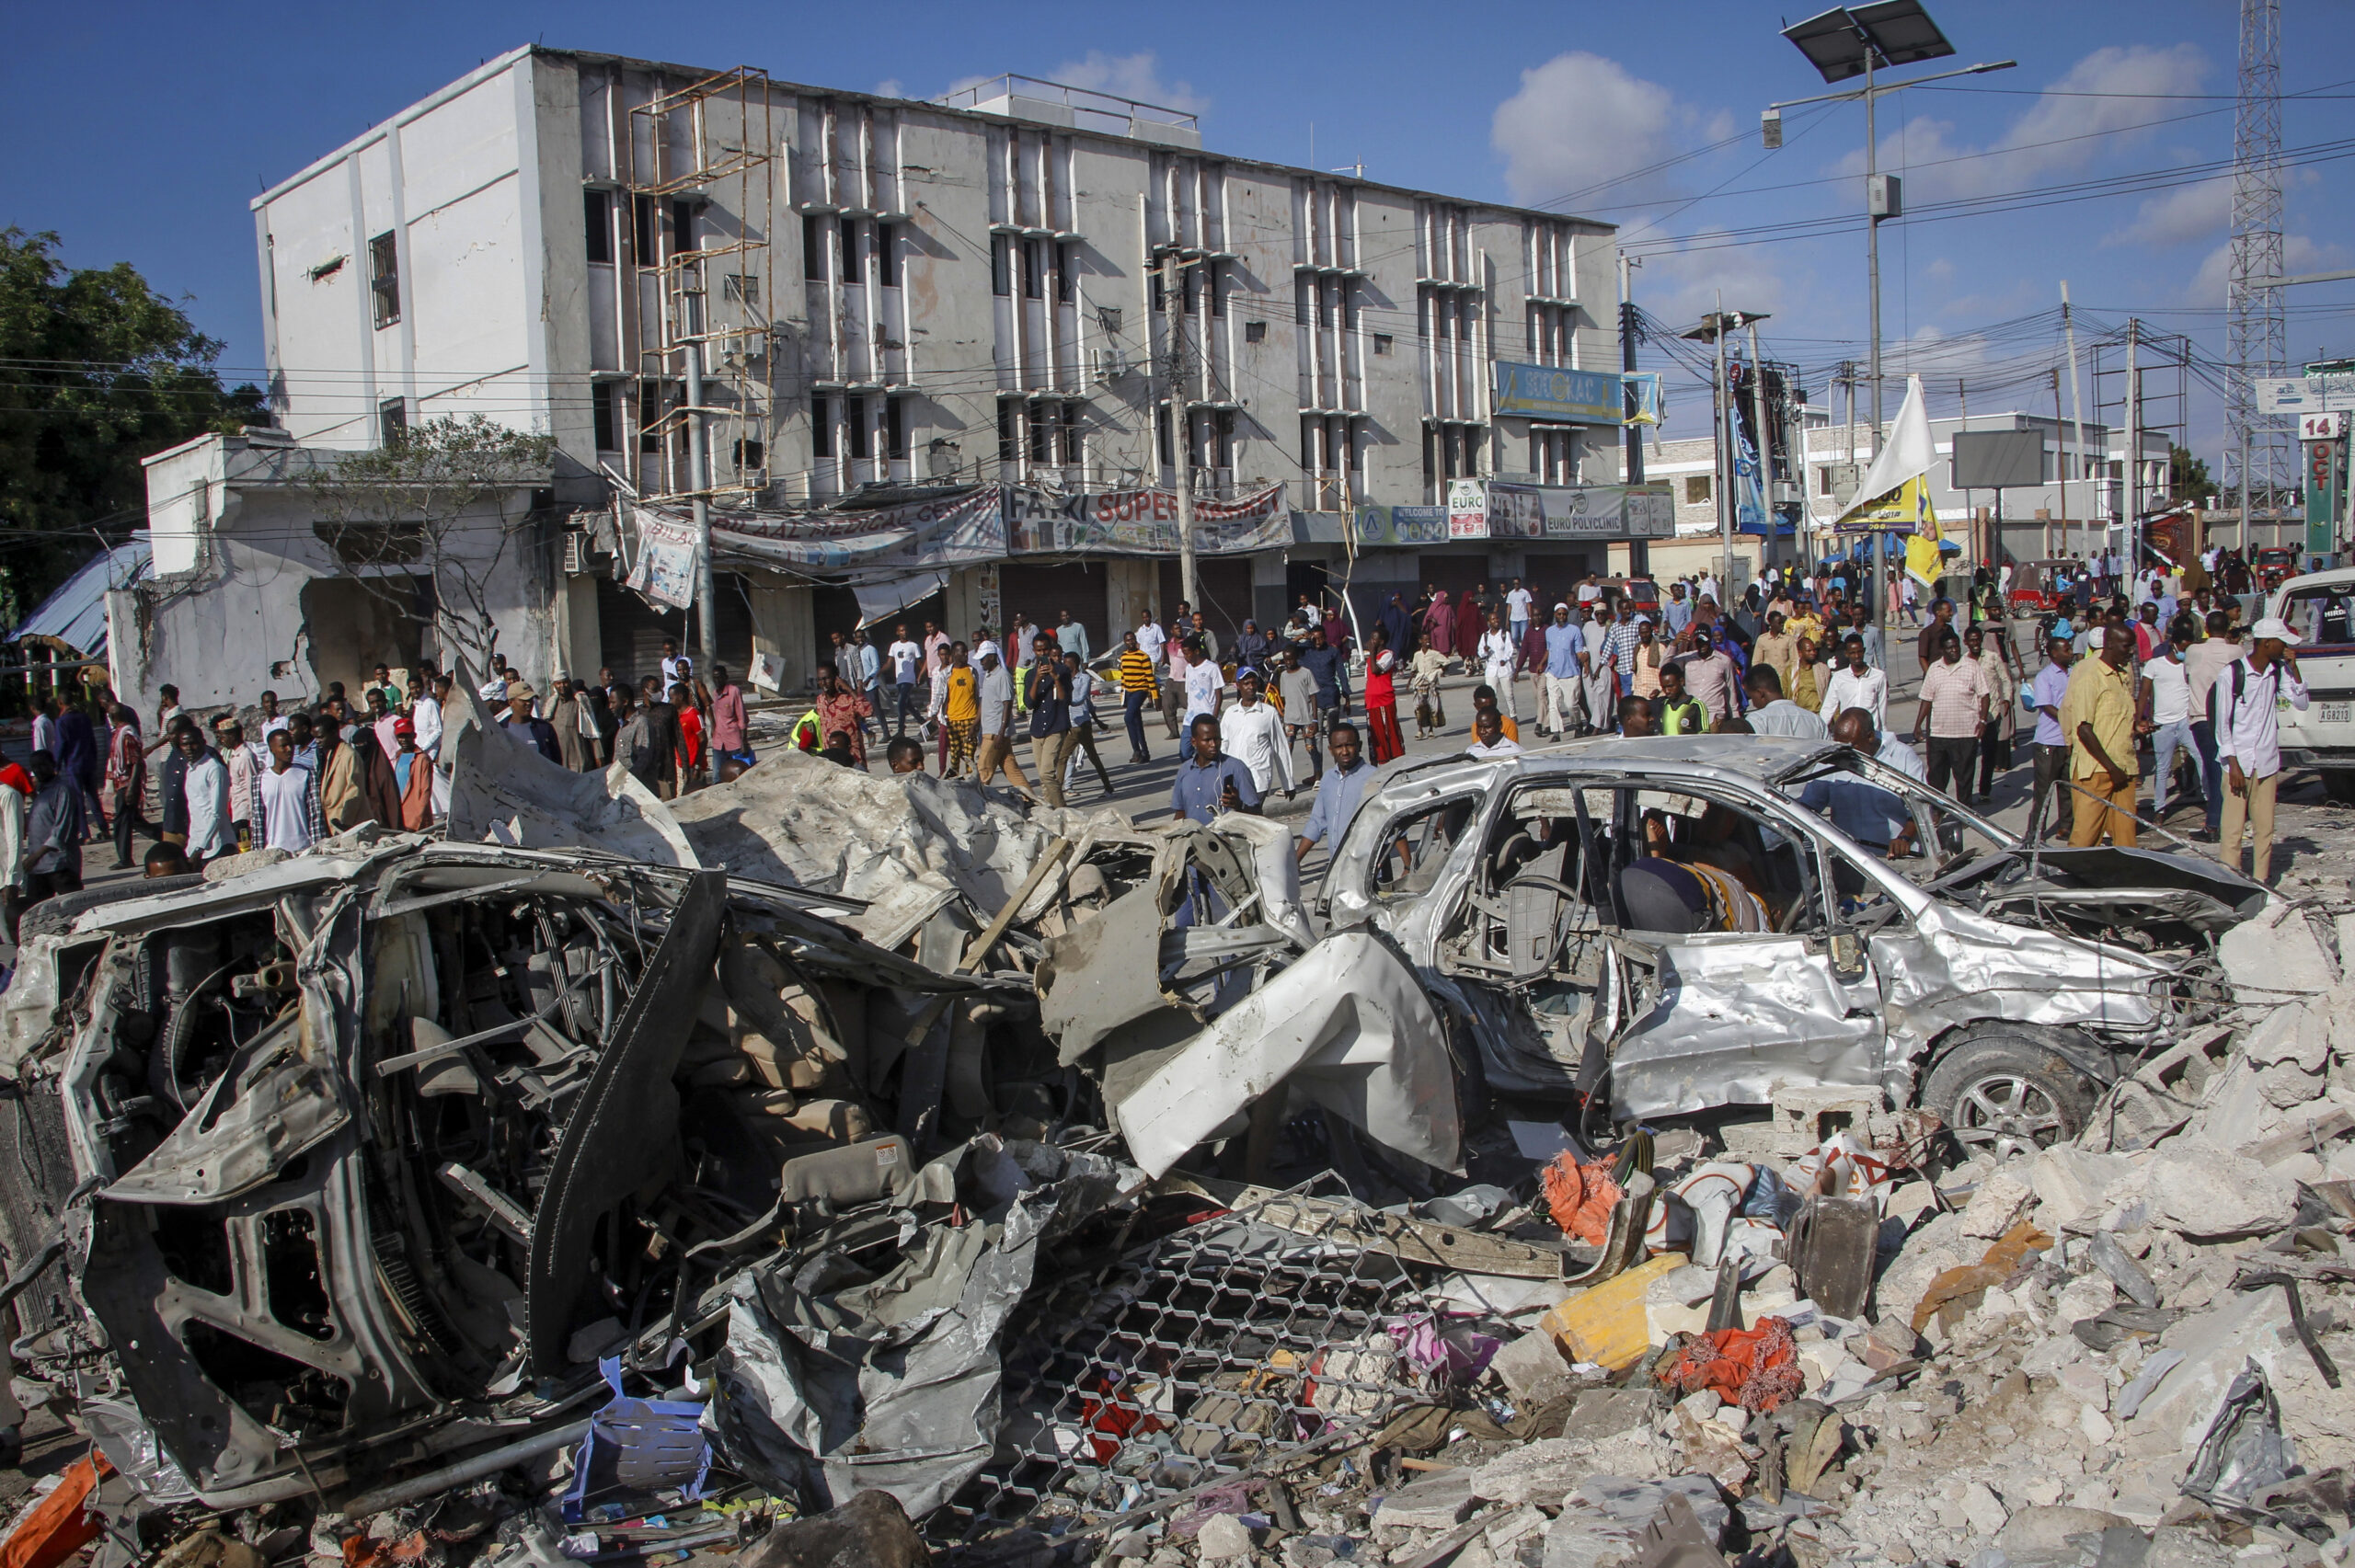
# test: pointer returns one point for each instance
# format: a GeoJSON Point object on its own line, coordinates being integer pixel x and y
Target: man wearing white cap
{"type": "Point", "coordinates": [2248, 739]}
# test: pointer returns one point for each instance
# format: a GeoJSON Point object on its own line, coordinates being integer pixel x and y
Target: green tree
{"type": "Point", "coordinates": [2187, 477]}
{"type": "Point", "coordinates": [440, 501]}
{"type": "Point", "coordinates": [101, 370]}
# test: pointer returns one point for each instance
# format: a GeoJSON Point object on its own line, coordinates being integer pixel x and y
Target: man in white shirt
{"type": "Point", "coordinates": [1856, 684]}
{"type": "Point", "coordinates": [1499, 653]}
{"type": "Point", "coordinates": [286, 801]}
{"type": "Point", "coordinates": [1770, 712]}
{"type": "Point", "coordinates": [1519, 602]}
{"type": "Point", "coordinates": [1203, 683]}
{"type": "Point", "coordinates": [1150, 638]}
{"type": "Point", "coordinates": [2248, 739]}
{"type": "Point", "coordinates": [204, 787]}
{"type": "Point", "coordinates": [905, 658]}
{"type": "Point", "coordinates": [2165, 700]}
{"type": "Point", "coordinates": [1253, 733]}
{"type": "Point", "coordinates": [1489, 737]}
{"type": "Point", "coordinates": [996, 695]}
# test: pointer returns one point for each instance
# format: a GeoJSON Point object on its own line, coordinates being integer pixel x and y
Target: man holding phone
{"type": "Point", "coordinates": [1209, 781]}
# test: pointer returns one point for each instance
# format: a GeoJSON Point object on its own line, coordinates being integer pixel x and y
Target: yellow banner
{"type": "Point", "coordinates": [1921, 559]}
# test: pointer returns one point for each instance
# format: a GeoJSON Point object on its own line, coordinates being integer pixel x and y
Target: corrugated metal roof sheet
{"type": "Point", "coordinates": [76, 613]}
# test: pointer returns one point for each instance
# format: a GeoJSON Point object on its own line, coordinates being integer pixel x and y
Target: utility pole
{"type": "Point", "coordinates": [2076, 404]}
{"type": "Point", "coordinates": [1180, 430]}
{"type": "Point", "coordinates": [1765, 440]}
{"type": "Point", "coordinates": [2060, 468]}
{"type": "Point", "coordinates": [1872, 234]}
{"type": "Point", "coordinates": [699, 475]}
{"type": "Point", "coordinates": [2133, 444]}
{"type": "Point", "coordinates": [1639, 551]}
{"type": "Point", "coordinates": [1724, 454]}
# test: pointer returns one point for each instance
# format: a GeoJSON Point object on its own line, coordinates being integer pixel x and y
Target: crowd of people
{"type": "Point", "coordinates": [285, 775]}
{"type": "Point", "coordinates": [2123, 663]}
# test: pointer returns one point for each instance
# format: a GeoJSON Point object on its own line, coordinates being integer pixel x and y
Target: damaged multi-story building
{"type": "Point", "coordinates": [940, 356]}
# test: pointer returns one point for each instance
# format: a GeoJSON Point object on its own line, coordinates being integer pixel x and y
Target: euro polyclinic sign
{"type": "Point", "coordinates": [1529, 512]}
{"type": "Point", "coordinates": [1142, 522]}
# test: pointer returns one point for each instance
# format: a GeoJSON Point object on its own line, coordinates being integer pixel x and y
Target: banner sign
{"type": "Point", "coordinates": [1141, 523]}
{"type": "Point", "coordinates": [2331, 392]}
{"type": "Point", "coordinates": [1404, 526]}
{"type": "Point", "coordinates": [1468, 509]}
{"type": "Point", "coordinates": [1580, 511]}
{"type": "Point", "coordinates": [954, 531]}
{"type": "Point", "coordinates": [1551, 392]}
{"type": "Point", "coordinates": [669, 555]}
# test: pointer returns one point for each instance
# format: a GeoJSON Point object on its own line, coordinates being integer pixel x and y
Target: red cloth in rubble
{"type": "Point", "coordinates": [1580, 1197]}
{"type": "Point", "coordinates": [1755, 1369]}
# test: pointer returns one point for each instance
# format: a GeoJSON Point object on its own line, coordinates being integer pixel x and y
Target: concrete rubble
{"type": "Point", "coordinates": [1000, 1185]}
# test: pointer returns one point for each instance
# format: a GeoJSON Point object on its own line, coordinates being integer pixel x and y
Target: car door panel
{"type": "Point", "coordinates": [1737, 1014]}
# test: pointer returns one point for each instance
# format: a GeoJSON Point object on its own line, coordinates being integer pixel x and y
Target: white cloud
{"type": "Point", "coordinates": [1134, 76]}
{"type": "Point", "coordinates": [1580, 120]}
{"type": "Point", "coordinates": [2113, 97]}
{"type": "Point", "coordinates": [2195, 212]}
{"type": "Point", "coordinates": [890, 87]}
{"type": "Point", "coordinates": [2212, 286]}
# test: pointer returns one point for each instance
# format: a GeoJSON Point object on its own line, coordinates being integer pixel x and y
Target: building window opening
{"type": "Point", "coordinates": [822, 425]}
{"type": "Point", "coordinates": [597, 224]}
{"type": "Point", "coordinates": [384, 277]}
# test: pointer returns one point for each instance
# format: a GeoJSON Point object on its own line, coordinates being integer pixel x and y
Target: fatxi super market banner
{"type": "Point", "coordinates": [961, 530]}
{"type": "Point", "coordinates": [1141, 523]}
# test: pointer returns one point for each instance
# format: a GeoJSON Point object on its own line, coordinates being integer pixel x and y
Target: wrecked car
{"type": "Point", "coordinates": [366, 1157]}
{"type": "Point", "coordinates": [1991, 980]}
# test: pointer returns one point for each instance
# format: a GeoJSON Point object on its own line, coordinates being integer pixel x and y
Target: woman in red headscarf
{"type": "Point", "coordinates": [1438, 621]}
{"type": "Point", "coordinates": [1470, 621]}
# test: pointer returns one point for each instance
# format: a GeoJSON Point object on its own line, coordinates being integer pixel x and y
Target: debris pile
{"type": "Point", "coordinates": [867, 1169]}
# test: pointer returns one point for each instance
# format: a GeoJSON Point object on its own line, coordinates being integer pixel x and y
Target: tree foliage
{"type": "Point", "coordinates": [438, 501]}
{"type": "Point", "coordinates": [101, 370]}
{"type": "Point", "coordinates": [2187, 476]}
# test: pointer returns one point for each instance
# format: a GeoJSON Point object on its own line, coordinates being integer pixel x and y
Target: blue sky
{"type": "Point", "coordinates": [140, 133]}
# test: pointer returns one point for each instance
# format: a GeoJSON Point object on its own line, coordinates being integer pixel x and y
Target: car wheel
{"type": "Point", "coordinates": [2006, 1094]}
{"type": "Point", "coordinates": [2339, 784]}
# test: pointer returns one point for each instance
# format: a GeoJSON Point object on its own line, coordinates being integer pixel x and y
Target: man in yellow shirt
{"type": "Point", "coordinates": [2097, 715]}
{"type": "Point", "coordinates": [961, 710]}
{"type": "Point", "coordinates": [1778, 646]}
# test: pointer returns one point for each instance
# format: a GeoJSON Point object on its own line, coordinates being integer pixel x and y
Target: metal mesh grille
{"type": "Point", "coordinates": [1181, 1362]}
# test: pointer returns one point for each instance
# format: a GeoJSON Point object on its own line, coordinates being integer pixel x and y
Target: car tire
{"type": "Point", "coordinates": [2003, 1091]}
{"type": "Point", "coordinates": [2338, 784]}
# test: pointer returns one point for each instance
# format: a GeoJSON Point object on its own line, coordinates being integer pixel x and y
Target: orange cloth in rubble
{"type": "Point", "coordinates": [1580, 1197]}
{"type": "Point", "coordinates": [1755, 1369]}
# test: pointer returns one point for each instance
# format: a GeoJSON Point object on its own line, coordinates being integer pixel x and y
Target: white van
{"type": "Point", "coordinates": [2320, 607]}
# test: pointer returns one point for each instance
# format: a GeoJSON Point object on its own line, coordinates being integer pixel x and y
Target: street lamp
{"type": "Point", "coordinates": [1860, 40]}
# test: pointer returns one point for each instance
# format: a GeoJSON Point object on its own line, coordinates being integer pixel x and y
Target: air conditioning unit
{"type": "Point", "coordinates": [577, 551]}
{"type": "Point", "coordinates": [1106, 365]}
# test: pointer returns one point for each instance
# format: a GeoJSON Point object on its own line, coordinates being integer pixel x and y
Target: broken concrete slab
{"type": "Point", "coordinates": [2049, 1529]}
{"type": "Point", "coordinates": [2075, 1186]}
{"type": "Point", "coordinates": [1439, 1500]}
{"type": "Point", "coordinates": [1543, 1472]}
{"type": "Point", "coordinates": [1997, 1203]}
{"type": "Point", "coordinates": [1605, 1518]}
{"type": "Point", "coordinates": [2276, 954]}
{"type": "Point", "coordinates": [2210, 1191]}
{"type": "Point", "coordinates": [2299, 1034]}
{"type": "Point", "coordinates": [1522, 1363]}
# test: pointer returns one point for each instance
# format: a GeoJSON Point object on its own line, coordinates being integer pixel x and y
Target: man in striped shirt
{"type": "Point", "coordinates": [1137, 688]}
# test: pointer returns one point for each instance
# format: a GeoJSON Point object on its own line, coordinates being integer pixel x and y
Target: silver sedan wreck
{"type": "Point", "coordinates": [1665, 926]}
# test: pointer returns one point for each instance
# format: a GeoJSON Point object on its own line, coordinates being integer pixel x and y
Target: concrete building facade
{"type": "Point", "coordinates": [2039, 522]}
{"type": "Point", "coordinates": [1006, 287]}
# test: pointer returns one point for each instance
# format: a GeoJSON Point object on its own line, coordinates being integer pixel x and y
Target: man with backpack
{"type": "Point", "coordinates": [2245, 709]}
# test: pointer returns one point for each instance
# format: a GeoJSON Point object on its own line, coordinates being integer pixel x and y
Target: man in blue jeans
{"type": "Point", "coordinates": [2205, 662]}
